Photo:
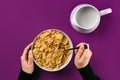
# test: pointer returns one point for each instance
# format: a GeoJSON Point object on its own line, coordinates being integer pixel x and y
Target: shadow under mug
{"type": "Point", "coordinates": [85, 18]}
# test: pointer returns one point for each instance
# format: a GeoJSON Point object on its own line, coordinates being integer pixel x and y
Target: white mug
{"type": "Point", "coordinates": [85, 18]}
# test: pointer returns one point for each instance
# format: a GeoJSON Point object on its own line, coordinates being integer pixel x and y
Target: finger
{"type": "Point", "coordinates": [27, 49]}
{"type": "Point", "coordinates": [76, 50]}
{"type": "Point", "coordinates": [25, 52]}
{"type": "Point", "coordinates": [81, 49]}
{"type": "Point", "coordinates": [79, 52]}
{"type": "Point", "coordinates": [86, 52]}
{"type": "Point", "coordinates": [82, 43]}
{"type": "Point", "coordinates": [30, 58]}
{"type": "Point", "coordinates": [86, 56]}
{"type": "Point", "coordinates": [88, 47]}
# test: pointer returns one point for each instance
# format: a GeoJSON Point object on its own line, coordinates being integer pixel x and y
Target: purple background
{"type": "Point", "coordinates": [22, 20]}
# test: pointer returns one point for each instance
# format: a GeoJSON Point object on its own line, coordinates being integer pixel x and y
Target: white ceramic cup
{"type": "Point", "coordinates": [85, 18]}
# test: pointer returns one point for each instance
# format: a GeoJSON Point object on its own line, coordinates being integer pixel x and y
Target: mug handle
{"type": "Point", "coordinates": [105, 11]}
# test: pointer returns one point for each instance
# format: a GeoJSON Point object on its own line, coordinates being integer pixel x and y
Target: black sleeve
{"type": "Point", "coordinates": [88, 74]}
{"type": "Point", "coordinates": [25, 76]}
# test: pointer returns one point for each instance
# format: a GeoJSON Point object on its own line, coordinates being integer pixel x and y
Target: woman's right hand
{"type": "Point", "coordinates": [82, 56]}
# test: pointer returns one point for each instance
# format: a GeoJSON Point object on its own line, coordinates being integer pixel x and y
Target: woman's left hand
{"type": "Point", "coordinates": [27, 60]}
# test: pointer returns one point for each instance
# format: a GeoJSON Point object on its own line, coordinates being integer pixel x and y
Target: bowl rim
{"type": "Point", "coordinates": [69, 57]}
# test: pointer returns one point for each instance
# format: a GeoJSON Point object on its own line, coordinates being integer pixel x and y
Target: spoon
{"type": "Point", "coordinates": [85, 47]}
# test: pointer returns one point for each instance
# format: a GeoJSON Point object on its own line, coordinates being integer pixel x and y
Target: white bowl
{"type": "Point", "coordinates": [69, 57]}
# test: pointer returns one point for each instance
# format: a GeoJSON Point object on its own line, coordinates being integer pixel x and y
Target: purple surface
{"type": "Point", "coordinates": [22, 20]}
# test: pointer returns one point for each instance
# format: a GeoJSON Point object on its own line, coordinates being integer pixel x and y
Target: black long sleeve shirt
{"type": "Point", "coordinates": [86, 73]}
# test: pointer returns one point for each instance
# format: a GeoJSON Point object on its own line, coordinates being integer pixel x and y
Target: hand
{"type": "Point", "coordinates": [82, 56]}
{"type": "Point", "coordinates": [27, 60]}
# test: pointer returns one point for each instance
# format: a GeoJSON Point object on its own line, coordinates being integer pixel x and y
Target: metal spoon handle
{"type": "Point", "coordinates": [85, 47]}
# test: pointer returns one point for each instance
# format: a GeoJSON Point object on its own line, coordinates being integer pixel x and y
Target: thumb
{"type": "Point", "coordinates": [30, 58]}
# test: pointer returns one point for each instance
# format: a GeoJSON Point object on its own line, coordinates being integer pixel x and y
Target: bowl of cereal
{"type": "Point", "coordinates": [50, 50]}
